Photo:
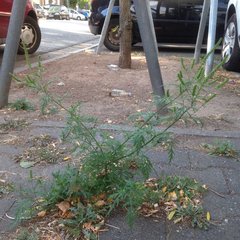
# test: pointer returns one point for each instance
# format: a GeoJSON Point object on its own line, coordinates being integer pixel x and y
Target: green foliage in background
{"type": "Point", "coordinates": [81, 3]}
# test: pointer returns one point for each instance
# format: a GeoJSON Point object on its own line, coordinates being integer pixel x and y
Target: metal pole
{"type": "Point", "coordinates": [211, 35]}
{"type": "Point", "coordinates": [145, 23]}
{"type": "Point", "coordinates": [105, 26]}
{"type": "Point", "coordinates": [10, 51]}
{"type": "Point", "coordinates": [202, 26]}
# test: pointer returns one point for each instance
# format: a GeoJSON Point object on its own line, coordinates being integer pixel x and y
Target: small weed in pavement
{"type": "Point", "coordinates": [43, 148]}
{"type": "Point", "coordinates": [82, 211]}
{"type": "Point", "coordinates": [5, 188]}
{"type": "Point", "coordinates": [22, 104]}
{"type": "Point", "coordinates": [177, 197]}
{"type": "Point", "coordinates": [24, 234]}
{"type": "Point", "coordinates": [13, 125]}
{"type": "Point", "coordinates": [221, 148]}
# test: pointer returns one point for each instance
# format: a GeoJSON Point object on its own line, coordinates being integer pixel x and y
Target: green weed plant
{"type": "Point", "coordinates": [114, 172]}
{"type": "Point", "coordinates": [22, 104]}
{"type": "Point", "coordinates": [221, 148]}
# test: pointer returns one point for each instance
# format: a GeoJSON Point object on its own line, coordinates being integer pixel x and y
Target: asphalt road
{"type": "Point", "coordinates": [59, 34]}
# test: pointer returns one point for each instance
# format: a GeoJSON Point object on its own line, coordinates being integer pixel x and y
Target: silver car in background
{"type": "Point", "coordinates": [231, 39]}
{"type": "Point", "coordinates": [73, 14]}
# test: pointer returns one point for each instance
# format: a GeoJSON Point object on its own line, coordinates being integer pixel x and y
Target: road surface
{"type": "Point", "coordinates": [58, 38]}
{"type": "Point", "coordinates": [60, 34]}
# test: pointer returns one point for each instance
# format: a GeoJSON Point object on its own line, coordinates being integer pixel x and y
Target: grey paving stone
{"type": "Point", "coordinates": [180, 159]}
{"type": "Point", "coordinates": [229, 230]}
{"type": "Point", "coordinates": [143, 229]}
{"type": "Point", "coordinates": [10, 150]}
{"type": "Point", "coordinates": [54, 132]}
{"type": "Point", "coordinates": [203, 160]}
{"type": "Point", "coordinates": [206, 176]}
{"type": "Point", "coordinates": [221, 208]}
{"type": "Point", "coordinates": [233, 179]}
{"type": "Point", "coordinates": [220, 174]}
{"type": "Point", "coordinates": [5, 223]}
{"type": "Point", "coordinates": [179, 232]}
{"type": "Point", "coordinates": [6, 162]}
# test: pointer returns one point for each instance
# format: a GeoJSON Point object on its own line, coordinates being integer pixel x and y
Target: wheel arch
{"type": "Point", "coordinates": [113, 16]}
{"type": "Point", "coordinates": [232, 10]}
{"type": "Point", "coordinates": [33, 15]}
{"type": "Point", "coordinates": [135, 31]}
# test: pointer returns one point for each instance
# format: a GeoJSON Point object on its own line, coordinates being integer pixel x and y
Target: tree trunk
{"type": "Point", "coordinates": [125, 34]}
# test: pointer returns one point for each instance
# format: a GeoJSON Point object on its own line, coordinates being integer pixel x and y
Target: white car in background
{"type": "Point", "coordinates": [73, 14]}
{"type": "Point", "coordinates": [231, 39]}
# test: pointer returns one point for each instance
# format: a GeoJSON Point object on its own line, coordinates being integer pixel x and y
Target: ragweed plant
{"type": "Point", "coordinates": [113, 170]}
{"type": "Point", "coordinates": [221, 148]}
{"type": "Point", "coordinates": [22, 104]}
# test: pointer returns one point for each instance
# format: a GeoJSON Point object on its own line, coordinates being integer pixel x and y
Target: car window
{"type": "Point", "coordinates": [54, 9]}
{"type": "Point", "coordinates": [190, 10]}
{"type": "Point", "coordinates": [168, 9]}
{"type": "Point", "coordinates": [154, 7]}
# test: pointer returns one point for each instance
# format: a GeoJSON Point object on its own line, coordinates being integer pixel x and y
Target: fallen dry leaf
{"type": "Point", "coordinates": [67, 158]}
{"type": "Point", "coordinates": [88, 225]}
{"type": "Point", "coordinates": [64, 206]}
{"type": "Point", "coordinates": [172, 196]}
{"type": "Point", "coordinates": [100, 203]}
{"type": "Point", "coordinates": [181, 193]}
{"type": "Point", "coordinates": [164, 189]}
{"type": "Point", "coordinates": [178, 220]}
{"type": "Point", "coordinates": [208, 216]}
{"type": "Point", "coordinates": [171, 215]}
{"type": "Point", "coordinates": [98, 197]}
{"type": "Point", "coordinates": [42, 214]}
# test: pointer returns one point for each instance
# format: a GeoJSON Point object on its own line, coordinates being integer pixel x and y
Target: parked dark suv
{"type": "Point", "coordinates": [175, 21]}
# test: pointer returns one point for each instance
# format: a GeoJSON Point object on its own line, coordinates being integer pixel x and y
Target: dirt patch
{"type": "Point", "coordinates": [89, 78]}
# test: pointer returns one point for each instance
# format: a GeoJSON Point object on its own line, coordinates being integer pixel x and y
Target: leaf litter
{"type": "Point", "coordinates": [43, 149]}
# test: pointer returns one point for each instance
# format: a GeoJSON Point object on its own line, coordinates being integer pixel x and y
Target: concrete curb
{"type": "Point", "coordinates": [127, 128]}
{"type": "Point", "coordinates": [58, 54]}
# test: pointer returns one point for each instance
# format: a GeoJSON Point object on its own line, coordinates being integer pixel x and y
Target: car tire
{"type": "Point", "coordinates": [230, 48]}
{"type": "Point", "coordinates": [30, 36]}
{"type": "Point", "coordinates": [112, 39]}
{"type": "Point", "coordinates": [78, 18]}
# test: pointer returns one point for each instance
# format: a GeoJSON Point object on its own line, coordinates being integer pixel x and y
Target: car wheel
{"type": "Point", "coordinates": [78, 18]}
{"type": "Point", "coordinates": [30, 36]}
{"type": "Point", "coordinates": [230, 49]}
{"type": "Point", "coordinates": [112, 39]}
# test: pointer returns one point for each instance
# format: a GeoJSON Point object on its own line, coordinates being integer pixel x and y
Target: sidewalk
{"type": "Point", "coordinates": [219, 173]}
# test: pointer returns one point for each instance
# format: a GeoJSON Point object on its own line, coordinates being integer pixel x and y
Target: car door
{"type": "Point", "coordinates": [190, 15]}
{"type": "Point", "coordinates": [166, 20]}
{"type": "Point", "coordinates": [70, 13]}
{"type": "Point", "coordinates": [5, 13]}
{"type": "Point", "coordinates": [191, 11]}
